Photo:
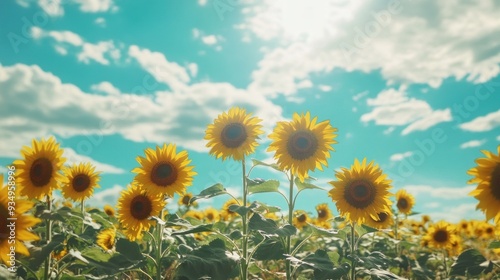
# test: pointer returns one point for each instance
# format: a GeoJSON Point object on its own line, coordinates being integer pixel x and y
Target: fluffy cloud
{"type": "Point", "coordinates": [401, 39]}
{"type": "Point", "coordinates": [106, 88]}
{"type": "Point", "coordinates": [401, 156]}
{"type": "Point", "coordinates": [72, 157]}
{"type": "Point", "coordinates": [483, 123]}
{"type": "Point", "coordinates": [447, 193]}
{"type": "Point", "coordinates": [208, 39]}
{"type": "Point", "coordinates": [55, 7]}
{"type": "Point", "coordinates": [472, 144]}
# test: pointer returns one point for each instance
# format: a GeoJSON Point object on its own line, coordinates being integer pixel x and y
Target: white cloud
{"type": "Point", "coordinates": [202, 2]}
{"type": "Point", "coordinates": [72, 157]}
{"type": "Point", "coordinates": [107, 196]}
{"type": "Point", "coordinates": [472, 144]}
{"type": "Point", "coordinates": [193, 69]}
{"type": "Point", "coordinates": [446, 193]}
{"type": "Point", "coordinates": [96, 6]}
{"type": "Point", "coordinates": [456, 213]}
{"type": "Point", "coordinates": [483, 123]}
{"type": "Point", "coordinates": [393, 108]}
{"type": "Point", "coordinates": [400, 156]}
{"type": "Point", "coordinates": [407, 44]}
{"type": "Point", "coordinates": [97, 52]}
{"type": "Point", "coordinates": [209, 40]}
{"type": "Point", "coordinates": [66, 37]}
{"type": "Point", "coordinates": [360, 95]}
{"type": "Point", "coordinates": [324, 88]}
{"type": "Point", "coordinates": [52, 7]}
{"type": "Point", "coordinates": [100, 21]}
{"type": "Point", "coordinates": [105, 87]}
{"type": "Point", "coordinates": [498, 138]}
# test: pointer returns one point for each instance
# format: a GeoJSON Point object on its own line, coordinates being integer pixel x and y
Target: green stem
{"type": "Point", "coordinates": [290, 221]}
{"type": "Point", "coordinates": [353, 249]}
{"type": "Point", "coordinates": [396, 225]}
{"type": "Point", "coordinates": [48, 237]}
{"type": "Point", "coordinates": [444, 262]}
{"type": "Point", "coordinates": [246, 262]}
{"type": "Point", "coordinates": [159, 239]}
{"type": "Point", "coordinates": [83, 215]}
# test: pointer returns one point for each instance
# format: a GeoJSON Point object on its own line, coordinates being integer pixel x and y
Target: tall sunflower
{"type": "Point", "coordinates": [135, 207]}
{"type": "Point", "coordinates": [404, 202]}
{"type": "Point", "coordinates": [302, 144]}
{"type": "Point", "coordinates": [23, 223]}
{"type": "Point", "coordinates": [487, 177]}
{"type": "Point", "coordinates": [164, 171]}
{"type": "Point", "coordinates": [440, 236]}
{"type": "Point", "coordinates": [380, 221]}
{"type": "Point", "coordinates": [361, 192]}
{"type": "Point", "coordinates": [38, 173]}
{"type": "Point", "coordinates": [79, 181]}
{"type": "Point", "coordinates": [233, 134]}
{"type": "Point", "coordinates": [106, 239]}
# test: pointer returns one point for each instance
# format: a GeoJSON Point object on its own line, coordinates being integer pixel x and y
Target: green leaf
{"type": "Point", "coordinates": [470, 263]}
{"type": "Point", "coordinates": [326, 232]}
{"type": "Point", "coordinates": [209, 261]}
{"type": "Point", "coordinates": [494, 245]}
{"type": "Point", "coordinates": [263, 187]}
{"type": "Point", "coordinates": [268, 227]}
{"type": "Point", "coordinates": [306, 184]}
{"type": "Point", "coordinates": [364, 229]}
{"type": "Point", "coordinates": [270, 249]}
{"type": "Point", "coordinates": [242, 210]}
{"type": "Point", "coordinates": [211, 191]}
{"type": "Point", "coordinates": [53, 216]}
{"type": "Point", "coordinates": [235, 235]}
{"type": "Point", "coordinates": [96, 254]}
{"type": "Point", "coordinates": [322, 266]}
{"type": "Point", "coordinates": [256, 162]}
{"type": "Point", "coordinates": [196, 229]}
{"type": "Point", "coordinates": [129, 249]}
{"type": "Point", "coordinates": [39, 256]}
{"type": "Point", "coordinates": [72, 277]}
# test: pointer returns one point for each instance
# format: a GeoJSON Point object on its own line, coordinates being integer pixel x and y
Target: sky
{"type": "Point", "coordinates": [412, 85]}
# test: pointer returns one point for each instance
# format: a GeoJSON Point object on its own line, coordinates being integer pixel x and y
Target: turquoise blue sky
{"type": "Point", "coordinates": [413, 86]}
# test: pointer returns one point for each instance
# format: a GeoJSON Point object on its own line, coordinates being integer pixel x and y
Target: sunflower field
{"type": "Point", "coordinates": [375, 236]}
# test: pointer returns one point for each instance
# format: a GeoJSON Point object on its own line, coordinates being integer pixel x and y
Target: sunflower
{"type": "Point", "coordinates": [23, 223]}
{"type": "Point", "coordinates": [302, 144]}
{"type": "Point", "coordinates": [300, 219]}
{"type": "Point", "coordinates": [211, 215]}
{"type": "Point", "coordinates": [135, 207]}
{"type": "Point", "coordinates": [198, 215]}
{"type": "Point", "coordinates": [186, 200]}
{"type": "Point", "coordinates": [109, 210]}
{"type": "Point", "coordinates": [361, 192]}
{"type": "Point", "coordinates": [440, 235]}
{"type": "Point", "coordinates": [106, 239]}
{"type": "Point", "coordinates": [164, 171]}
{"type": "Point", "coordinates": [226, 214]}
{"type": "Point", "coordinates": [38, 173]}
{"type": "Point", "coordinates": [380, 221]}
{"type": "Point", "coordinates": [487, 176]}
{"type": "Point", "coordinates": [404, 202]}
{"type": "Point", "coordinates": [79, 181]}
{"type": "Point", "coordinates": [324, 212]}
{"type": "Point", "coordinates": [233, 134]}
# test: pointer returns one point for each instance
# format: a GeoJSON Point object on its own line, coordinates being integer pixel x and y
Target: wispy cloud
{"type": "Point", "coordinates": [483, 123]}
{"type": "Point", "coordinates": [400, 156]}
{"type": "Point", "coordinates": [445, 193]}
{"type": "Point", "coordinates": [73, 157]}
{"type": "Point", "coordinates": [472, 144]}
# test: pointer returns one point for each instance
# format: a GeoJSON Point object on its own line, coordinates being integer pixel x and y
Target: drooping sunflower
{"type": "Point", "coordinates": [135, 207]}
{"type": "Point", "coordinates": [382, 220]}
{"type": "Point", "coordinates": [404, 202]}
{"type": "Point", "coordinates": [300, 219]}
{"type": "Point", "coordinates": [487, 177]}
{"type": "Point", "coordinates": [79, 181]}
{"type": "Point", "coordinates": [302, 144]}
{"type": "Point", "coordinates": [440, 236]}
{"type": "Point", "coordinates": [233, 134]}
{"type": "Point", "coordinates": [164, 171]}
{"type": "Point", "coordinates": [38, 173]}
{"type": "Point", "coordinates": [109, 210]}
{"type": "Point", "coordinates": [324, 212]}
{"type": "Point", "coordinates": [106, 239]}
{"type": "Point", "coordinates": [23, 223]}
{"type": "Point", "coordinates": [361, 192]}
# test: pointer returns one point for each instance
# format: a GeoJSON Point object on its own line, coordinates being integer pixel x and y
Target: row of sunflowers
{"type": "Point", "coordinates": [374, 236]}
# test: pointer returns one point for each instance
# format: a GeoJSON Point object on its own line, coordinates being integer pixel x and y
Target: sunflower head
{"type": "Point", "coordinates": [324, 212]}
{"type": "Point", "coordinates": [79, 181]}
{"type": "Point", "coordinates": [106, 239]}
{"type": "Point", "coordinates": [109, 210]}
{"type": "Point", "coordinates": [164, 171]}
{"type": "Point", "coordinates": [186, 200]}
{"type": "Point", "coordinates": [404, 202]}
{"type": "Point", "coordinates": [382, 220]}
{"type": "Point", "coordinates": [233, 134]}
{"type": "Point", "coordinates": [135, 207]}
{"type": "Point", "coordinates": [302, 144]}
{"type": "Point", "coordinates": [23, 221]}
{"type": "Point", "coordinates": [38, 173]}
{"type": "Point", "coordinates": [211, 215]}
{"type": "Point", "coordinates": [226, 214]}
{"type": "Point", "coordinates": [300, 219]}
{"type": "Point", "coordinates": [487, 177]}
{"type": "Point", "coordinates": [361, 192]}
{"type": "Point", "coordinates": [440, 236]}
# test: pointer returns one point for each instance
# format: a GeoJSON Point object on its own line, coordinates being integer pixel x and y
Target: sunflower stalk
{"type": "Point", "coordinates": [159, 238]}
{"type": "Point", "coordinates": [83, 214]}
{"type": "Point", "coordinates": [353, 252]}
{"type": "Point", "coordinates": [48, 236]}
{"type": "Point", "coordinates": [245, 263]}
{"type": "Point", "coordinates": [290, 221]}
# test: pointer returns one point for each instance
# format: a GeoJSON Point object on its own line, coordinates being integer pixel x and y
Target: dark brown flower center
{"type": "Point", "coordinates": [210, 216]}
{"type": "Point", "coordinates": [233, 135]}
{"type": "Point", "coordinates": [489, 230]}
{"type": "Point", "coordinates": [302, 218]}
{"type": "Point", "coordinates": [186, 199]}
{"type": "Point", "coordinates": [360, 194]}
{"type": "Point", "coordinates": [402, 203]}
{"type": "Point", "coordinates": [109, 211]}
{"type": "Point", "coordinates": [109, 242]}
{"type": "Point", "coordinates": [441, 236]}
{"type": "Point", "coordinates": [163, 174]}
{"type": "Point", "coordinates": [302, 145]}
{"type": "Point", "coordinates": [382, 217]}
{"type": "Point", "coordinates": [41, 172]}
{"type": "Point", "coordinates": [322, 213]}
{"type": "Point", "coordinates": [495, 182]}
{"type": "Point", "coordinates": [81, 182]}
{"type": "Point", "coordinates": [141, 207]}
{"type": "Point", "coordinates": [4, 230]}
